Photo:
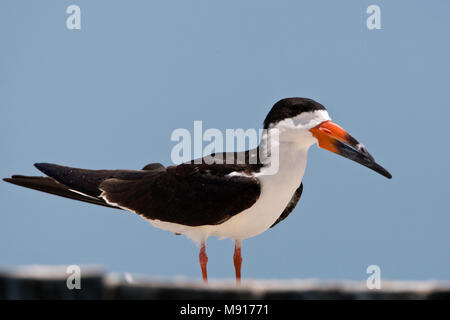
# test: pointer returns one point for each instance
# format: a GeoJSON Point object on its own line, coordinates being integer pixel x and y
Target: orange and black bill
{"type": "Point", "coordinates": [335, 139]}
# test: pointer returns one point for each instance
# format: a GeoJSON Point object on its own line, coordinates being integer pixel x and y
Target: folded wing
{"type": "Point", "coordinates": [188, 194]}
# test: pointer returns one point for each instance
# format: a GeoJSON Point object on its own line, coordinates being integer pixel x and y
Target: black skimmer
{"type": "Point", "coordinates": [217, 196]}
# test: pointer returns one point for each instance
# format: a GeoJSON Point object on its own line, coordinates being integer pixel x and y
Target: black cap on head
{"type": "Point", "coordinates": [289, 108]}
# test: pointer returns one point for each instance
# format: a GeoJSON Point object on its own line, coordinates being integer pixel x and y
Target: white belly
{"type": "Point", "coordinates": [276, 192]}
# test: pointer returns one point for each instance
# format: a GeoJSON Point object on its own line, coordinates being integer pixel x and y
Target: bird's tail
{"type": "Point", "coordinates": [49, 185]}
{"type": "Point", "coordinates": [77, 184]}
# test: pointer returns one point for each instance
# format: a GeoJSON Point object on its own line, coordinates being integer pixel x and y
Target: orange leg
{"type": "Point", "coordinates": [203, 261]}
{"type": "Point", "coordinates": [237, 258]}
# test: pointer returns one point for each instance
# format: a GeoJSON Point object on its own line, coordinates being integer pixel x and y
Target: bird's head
{"type": "Point", "coordinates": [303, 122]}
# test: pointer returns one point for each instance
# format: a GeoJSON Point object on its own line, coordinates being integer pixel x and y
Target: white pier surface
{"type": "Point", "coordinates": [50, 282]}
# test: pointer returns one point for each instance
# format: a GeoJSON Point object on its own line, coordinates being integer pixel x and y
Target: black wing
{"type": "Point", "coordinates": [189, 194]}
{"type": "Point", "coordinates": [291, 205]}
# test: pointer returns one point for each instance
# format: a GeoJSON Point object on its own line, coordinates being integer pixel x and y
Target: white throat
{"type": "Point", "coordinates": [284, 145]}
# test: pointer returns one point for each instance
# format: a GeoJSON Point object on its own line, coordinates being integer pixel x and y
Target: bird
{"type": "Point", "coordinates": [218, 195]}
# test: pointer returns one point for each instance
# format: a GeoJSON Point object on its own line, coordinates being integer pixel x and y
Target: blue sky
{"type": "Point", "coordinates": [110, 95]}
